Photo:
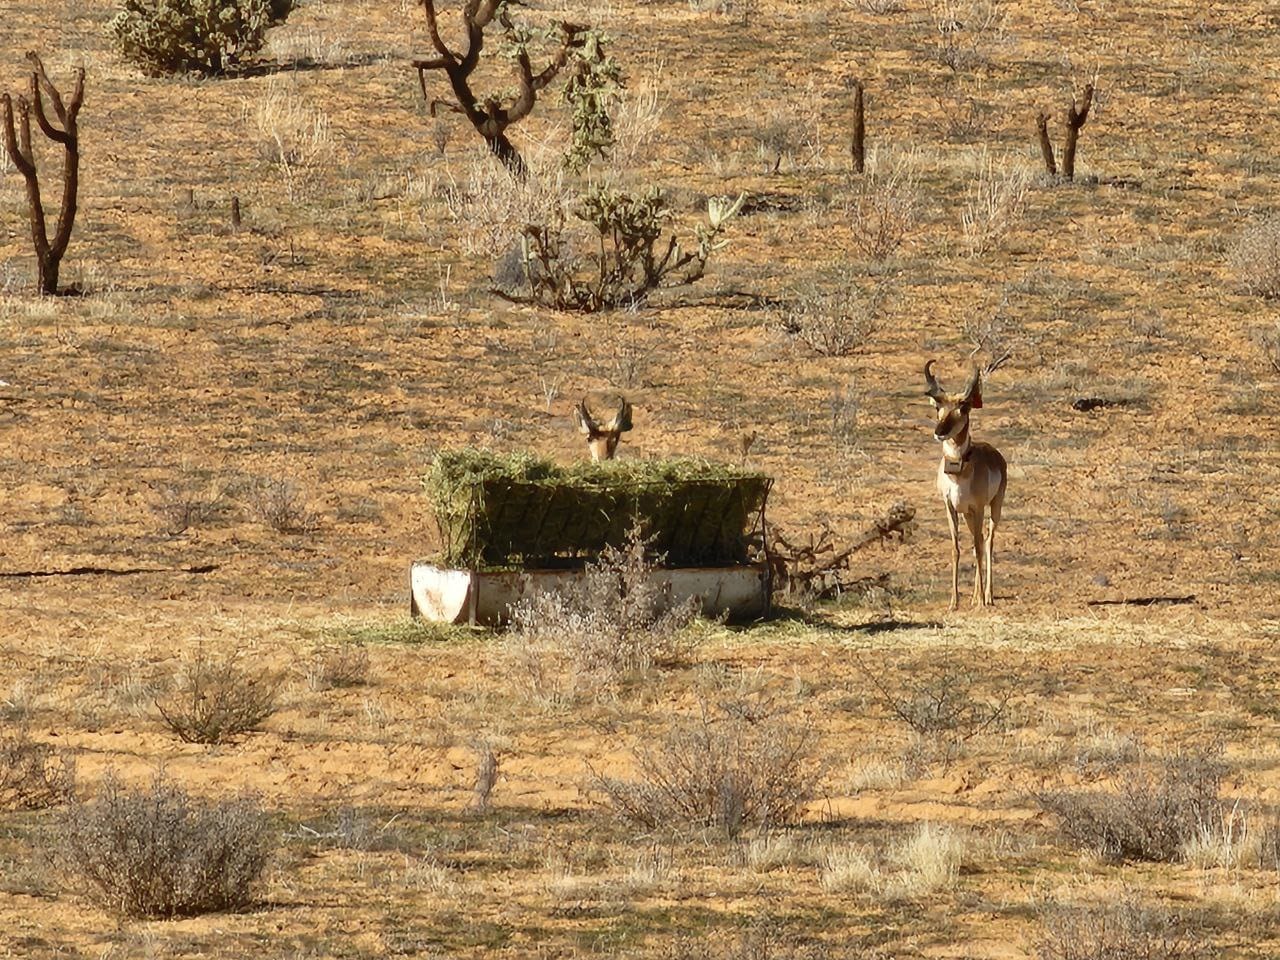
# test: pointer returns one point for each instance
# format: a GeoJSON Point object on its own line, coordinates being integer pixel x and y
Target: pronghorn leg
{"type": "Point", "coordinates": [973, 520]}
{"type": "Point", "coordinates": [996, 504]}
{"type": "Point", "coordinates": [954, 522]}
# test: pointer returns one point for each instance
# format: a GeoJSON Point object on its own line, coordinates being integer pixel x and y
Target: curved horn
{"type": "Point", "coordinates": [586, 423]}
{"type": "Point", "coordinates": [622, 419]}
{"type": "Point", "coordinates": [971, 389]}
{"type": "Point", "coordinates": [932, 387]}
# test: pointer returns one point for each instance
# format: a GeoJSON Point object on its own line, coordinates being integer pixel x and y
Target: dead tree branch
{"type": "Point", "coordinates": [16, 131]}
{"type": "Point", "coordinates": [490, 116]}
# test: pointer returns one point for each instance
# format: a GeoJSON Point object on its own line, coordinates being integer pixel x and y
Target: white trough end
{"type": "Point", "coordinates": [460, 596]}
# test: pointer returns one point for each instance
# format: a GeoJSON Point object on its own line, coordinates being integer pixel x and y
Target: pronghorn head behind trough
{"type": "Point", "coordinates": [603, 438]}
{"type": "Point", "coordinates": [952, 409]}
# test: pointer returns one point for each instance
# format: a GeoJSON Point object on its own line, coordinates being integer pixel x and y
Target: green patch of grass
{"type": "Point", "coordinates": [399, 630]}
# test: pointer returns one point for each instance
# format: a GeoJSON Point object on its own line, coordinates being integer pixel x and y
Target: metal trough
{"type": "Point", "coordinates": [463, 596]}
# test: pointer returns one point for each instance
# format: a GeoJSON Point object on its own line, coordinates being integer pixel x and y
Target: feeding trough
{"type": "Point", "coordinates": [512, 527]}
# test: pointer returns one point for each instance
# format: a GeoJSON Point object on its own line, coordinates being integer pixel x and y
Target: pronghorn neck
{"type": "Point", "coordinates": [956, 449]}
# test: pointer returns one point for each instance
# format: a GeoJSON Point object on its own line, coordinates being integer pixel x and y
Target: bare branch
{"type": "Point", "coordinates": [433, 28]}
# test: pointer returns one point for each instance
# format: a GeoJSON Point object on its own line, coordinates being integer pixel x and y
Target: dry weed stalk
{"type": "Point", "coordinates": [994, 205]}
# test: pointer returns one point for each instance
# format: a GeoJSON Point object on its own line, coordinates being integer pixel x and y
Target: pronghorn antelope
{"type": "Point", "coordinates": [602, 438]}
{"type": "Point", "coordinates": [971, 478]}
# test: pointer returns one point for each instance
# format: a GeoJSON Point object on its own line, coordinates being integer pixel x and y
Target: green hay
{"type": "Point", "coordinates": [519, 511]}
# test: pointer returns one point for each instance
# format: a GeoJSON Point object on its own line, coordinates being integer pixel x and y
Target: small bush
{"type": "Point", "coordinates": [967, 30]}
{"type": "Point", "coordinates": [994, 205]}
{"type": "Point", "coordinates": [159, 852]}
{"type": "Point", "coordinates": [884, 213]}
{"type": "Point", "coordinates": [939, 699]}
{"type": "Point", "coordinates": [836, 319]}
{"type": "Point", "coordinates": [282, 506]}
{"type": "Point", "coordinates": [1153, 812]}
{"type": "Point", "coordinates": [337, 666]}
{"type": "Point", "coordinates": [216, 701]}
{"type": "Point", "coordinates": [194, 36]}
{"type": "Point", "coordinates": [1256, 258]}
{"type": "Point", "coordinates": [926, 860]}
{"type": "Point", "coordinates": [1121, 931]}
{"type": "Point", "coordinates": [719, 771]}
{"type": "Point", "coordinates": [617, 623]}
{"type": "Point", "coordinates": [33, 775]}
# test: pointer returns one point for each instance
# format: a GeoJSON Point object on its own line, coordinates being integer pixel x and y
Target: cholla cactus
{"type": "Point", "coordinates": [629, 259]}
{"type": "Point", "coordinates": [194, 36]}
{"type": "Point", "coordinates": [592, 91]}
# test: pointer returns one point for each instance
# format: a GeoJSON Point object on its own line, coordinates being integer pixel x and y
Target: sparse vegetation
{"type": "Point", "coordinates": [941, 699]}
{"type": "Point", "coordinates": [994, 205]}
{"type": "Point", "coordinates": [160, 852]}
{"type": "Point", "coordinates": [719, 769]}
{"type": "Point", "coordinates": [1255, 257]}
{"type": "Point", "coordinates": [337, 666]}
{"type": "Point", "coordinates": [884, 212]}
{"type": "Point", "coordinates": [217, 700]}
{"type": "Point", "coordinates": [282, 506]}
{"type": "Point", "coordinates": [1155, 810]}
{"type": "Point", "coordinates": [1122, 930]}
{"type": "Point", "coordinates": [207, 37]}
{"type": "Point", "coordinates": [836, 319]}
{"type": "Point", "coordinates": [33, 775]}
{"type": "Point", "coordinates": [617, 622]}
{"type": "Point", "coordinates": [624, 259]}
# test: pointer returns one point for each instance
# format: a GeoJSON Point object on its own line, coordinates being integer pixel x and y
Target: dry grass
{"type": "Point", "coordinates": [33, 775]}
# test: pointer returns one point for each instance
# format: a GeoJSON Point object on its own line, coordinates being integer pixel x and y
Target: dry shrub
{"type": "Point", "coordinates": [638, 116]}
{"type": "Point", "coordinates": [337, 666]}
{"type": "Point", "coordinates": [878, 7]}
{"type": "Point", "coordinates": [294, 137]}
{"type": "Point", "coordinates": [939, 699]}
{"type": "Point", "coordinates": [217, 700]}
{"type": "Point", "coordinates": [719, 770]}
{"type": "Point", "coordinates": [491, 208]}
{"type": "Point", "coordinates": [180, 507]}
{"type": "Point", "coordinates": [1256, 257]}
{"type": "Point", "coordinates": [281, 505]}
{"type": "Point", "coordinates": [967, 31]}
{"type": "Point", "coordinates": [1152, 813]}
{"type": "Point", "coordinates": [616, 623]}
{"type": "Point", "coordinates": [835, 319]}
{"type": "Point", "coordinates": [1125, 930]}
{"type": "Point", "coordinates": [33, 775]}
{"type": "Point", "coordinates": [994, 205]}
{"type": "Point", "coordinates": [884, 212]}
{"type": "Point", "coordinates": [158, 852]}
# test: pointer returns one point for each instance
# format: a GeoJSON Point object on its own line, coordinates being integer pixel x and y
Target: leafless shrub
{"type": "Point", "coordinates": [967, 31]}
{"type": "Point", "coordinates": [159, 852]}
{"type": "Point", "coordinates": [962, 116]}
{"type": "Point", "coordinates": [179, 507]}
{"type": "Point", "coordinates": [215, 701]}
{"type": "Point", "coordinates": [994, 204]}
{"type": "Point", "coordinates": [617, 622]}
{"type": "Point", "coordinates": [836, 318]}
{"type": "Point", "coordinates": [884, 212]}
{"type": "Point", "coordinates": [741, 10]}
{"type": "Point", "coordinates": [1255, 257]}
{"type": "Point", "coordinates": [1153, 811]}
{"type": "Point", "coordinates": [1124, 930]}
{"type": "Point", "coordinates": [721, 771]}
{"type": "Point", "coordinates": [336, 666]}
{"type": "Point", "coordinates": [939, 699]}
{"type": "Point", "coordinates": [33, 775]}
{"type": "Point", "coordinates": [282, 506]}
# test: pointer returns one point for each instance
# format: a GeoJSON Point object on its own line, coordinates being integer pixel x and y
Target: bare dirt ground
{"type": "Point", "coordinates": [347, 332]}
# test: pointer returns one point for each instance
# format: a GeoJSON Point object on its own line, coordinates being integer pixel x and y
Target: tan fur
{"type": "Point", "coordinates": [603, 438]}
{"type": "Point", "coordinates": [978, 485]}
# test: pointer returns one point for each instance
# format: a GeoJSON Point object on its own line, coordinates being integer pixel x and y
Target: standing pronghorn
{"type": "Point", "coordinates": [971, 477]}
